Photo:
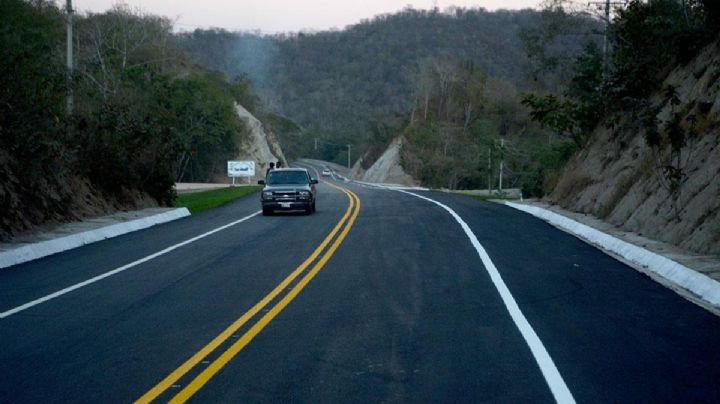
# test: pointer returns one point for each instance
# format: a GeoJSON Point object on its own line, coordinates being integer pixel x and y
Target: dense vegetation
{"type": "Point", "coordinates": [468, 89]}
{"type": "Point", "coordinates": [647, 39]}
{"type": "Point", "coordinates": [327, 80]}
{"type": "Point", "coordinates": [472, 93]}
{"type": "Point", "coordinates": [143, 117]}
{"type": "Point", "coordinates": [449, 81]}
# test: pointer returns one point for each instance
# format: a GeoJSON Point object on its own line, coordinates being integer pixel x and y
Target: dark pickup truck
{"type": "Point", "coordinates": [288, 189]}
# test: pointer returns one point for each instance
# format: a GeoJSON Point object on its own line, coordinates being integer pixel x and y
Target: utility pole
{"type": "Point", "coordinates": [502, 163]}
{"type": "Point", "coordinates": [349, 148]}
{"type": "Point", "coordinates": [489, 169]}
{"type": "Point", "coordinates": [605, 4]}
{"type": "Point", "coordinates": [316, 139]}
{"type": "Point", "coordinates": [70, 99]}
{"type": "Point", "coordinates": [605, 38]}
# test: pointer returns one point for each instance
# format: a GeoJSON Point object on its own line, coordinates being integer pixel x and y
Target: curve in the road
{"type": "Point", "coordinates": [552, 376]}
{"type": "Point", "coordinates": [320, 256]}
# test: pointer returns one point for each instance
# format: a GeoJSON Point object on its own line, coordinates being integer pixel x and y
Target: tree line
{"type": "Point", "coordinates": [364, 84]}
{"type": "Point", "coordinates": [646, 40]}
{"type": "Point", "coordinates": [144, 116]}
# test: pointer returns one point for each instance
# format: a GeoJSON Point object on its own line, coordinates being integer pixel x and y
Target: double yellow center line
{"type": "Point", "coordinates": [319, 257]}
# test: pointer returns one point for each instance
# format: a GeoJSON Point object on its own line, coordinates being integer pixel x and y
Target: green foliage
{"type": "Point", "coordinates": [556, 113]}
{"type": "Point", "coordinates": [147, 113]}
{"type": "Point", "coordinates": [648, 38]}
{"type": "Point", "coordinates": [544, 165]}
{"type": "Point", "coordinates": [296, 142]}
{"type": "Point", "coordinates": [143, 117]}
{"type": "Point", "coordinates": [381, 133]}
{"type": "Point", "coordinates": [334, 83]}
{"type": "Point", "coordinates": [199, 110]}
{"type": "Point", "coordinates": [554, 42]}
{"type": "Point", "coordinates": [446, 81]}
{"type": "Point", "coordinates": [197, 202]}
{"type": "Point", "coordinates": [575, 113]}
{"type": "Point", "coordinates": [462, 126]}
{"type": "Point", "coordinates": [668, 139]}
{"type": "Point", "coordinates": [241, 90]}
{"type": "Point", "coordinates": [32, 112]}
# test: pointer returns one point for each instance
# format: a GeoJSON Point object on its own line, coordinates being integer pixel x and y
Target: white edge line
{"type": "Point", "coordinates": [701, 285]}
{"type": "Point", "coordinates": [42, 249]}
{"type": "Point", "coordinates": [120, 269]}
{"type": "Point", "coordinates": [393, 187]}
{"type": "Point", "coordinates": [552, 376]}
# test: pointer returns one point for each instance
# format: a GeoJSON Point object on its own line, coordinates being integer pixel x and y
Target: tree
{"type": "Point", "coordinates": [32, 113]}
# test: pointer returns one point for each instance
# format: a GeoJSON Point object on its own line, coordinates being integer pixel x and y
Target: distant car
{"type": "Point", "coordinates": [326, 173]}
{"type": "Point", "coordinates": [288, 189]}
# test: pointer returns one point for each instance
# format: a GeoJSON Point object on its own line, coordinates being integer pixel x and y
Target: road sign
{"type": "Point", "coordinates": [241, 169]}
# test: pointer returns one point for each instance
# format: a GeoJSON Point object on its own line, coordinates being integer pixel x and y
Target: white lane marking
{"type": "Point", "coordinates": [547, 366]}
{"type": "Point", "coordinates": [120, 269]}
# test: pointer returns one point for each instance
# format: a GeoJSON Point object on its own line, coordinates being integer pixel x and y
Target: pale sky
{"type": "Point", "coordinates": [272, 16]}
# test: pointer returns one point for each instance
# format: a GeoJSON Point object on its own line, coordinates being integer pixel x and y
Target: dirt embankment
{"type": "Point", "coordinates": [261, 147]}
{"type": "Point", "coordinates": [619, 178]}
{"type": "Point", "coordinates": [387, 169]}
{"type": "Point", "coordinates": [62, 198]}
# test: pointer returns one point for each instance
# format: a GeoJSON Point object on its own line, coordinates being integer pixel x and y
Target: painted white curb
{"type": "Point", "coordinates": [394, 187]}
{"type": "Point", "coordinates": [703, 286]}
{"type": "Point", "coordinates": [44, 248]}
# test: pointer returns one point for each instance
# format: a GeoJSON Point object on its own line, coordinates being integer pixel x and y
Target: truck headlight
{"type": "Point", "coordinates": [267, 195]}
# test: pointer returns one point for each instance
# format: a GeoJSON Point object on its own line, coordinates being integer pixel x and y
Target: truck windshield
{"type": "Point", "coordinates": [287, 177]}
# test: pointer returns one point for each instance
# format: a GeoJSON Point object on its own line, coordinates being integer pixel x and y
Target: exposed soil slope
{"type": "Point", "coordinates": [618, 177]}
{"type": "Point", "coordinates": [64, 198]}
{"type": "Point", "coordinates": [262, 147]}
{"type": "Point", "coordinates": [388, 168]}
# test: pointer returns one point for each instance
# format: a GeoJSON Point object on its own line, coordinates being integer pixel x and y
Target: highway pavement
{"type": "Point", "coordinates": [380, 296]}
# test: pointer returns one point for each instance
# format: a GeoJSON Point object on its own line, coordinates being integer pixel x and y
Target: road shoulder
{"type": "Point", "coordinates": [73, 235]}
{"type": "Point", "coordinates": [695, 277]}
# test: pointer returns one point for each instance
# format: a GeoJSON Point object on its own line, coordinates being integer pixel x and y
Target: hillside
{"type": "Point", "coordinates": [449, 81]}
{"type": "Point", "coordinates": [621, 178]}
{"type": "Point", "coordinates": [334, 82]}
{"type": "Point", "coordinates": [261, 146]}
{"type": "Point", "coordinates": [141, 116]}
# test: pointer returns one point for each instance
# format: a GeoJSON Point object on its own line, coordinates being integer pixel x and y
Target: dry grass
{"type": "Point", "coordinates": [570, 185]}
{"type": "Point", "coordinates": [621, 188]}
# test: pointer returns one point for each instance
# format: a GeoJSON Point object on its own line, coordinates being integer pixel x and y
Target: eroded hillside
{"type": "Point", "coordinates": [670, 196]}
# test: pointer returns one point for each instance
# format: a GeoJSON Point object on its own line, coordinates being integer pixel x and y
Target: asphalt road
{"type": "Point", "coordinates": [393, 304]}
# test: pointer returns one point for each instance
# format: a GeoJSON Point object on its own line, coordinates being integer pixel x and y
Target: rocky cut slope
{"type": "Point", "coordinates": [262, 146]}
{"type": "Point", "coordinates": [387, 169]}
{"type": "Point", "coordinates": [672, 196]}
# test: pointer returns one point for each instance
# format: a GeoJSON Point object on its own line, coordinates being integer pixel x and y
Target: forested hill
{"type": "Point", "coordinates": [334, 81]}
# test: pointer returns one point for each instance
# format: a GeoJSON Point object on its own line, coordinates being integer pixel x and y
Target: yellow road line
{"type": "Point", "coordinates": [192, 388]}
{"type": "Point", "coordinates": [183, 369]}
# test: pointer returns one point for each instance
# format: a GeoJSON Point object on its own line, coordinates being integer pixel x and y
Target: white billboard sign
{"type": "Point", "coordinates": [241, 169]}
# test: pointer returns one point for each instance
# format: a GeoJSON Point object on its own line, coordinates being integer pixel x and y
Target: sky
{"type": "Point", "coordinates": [274, 16]}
